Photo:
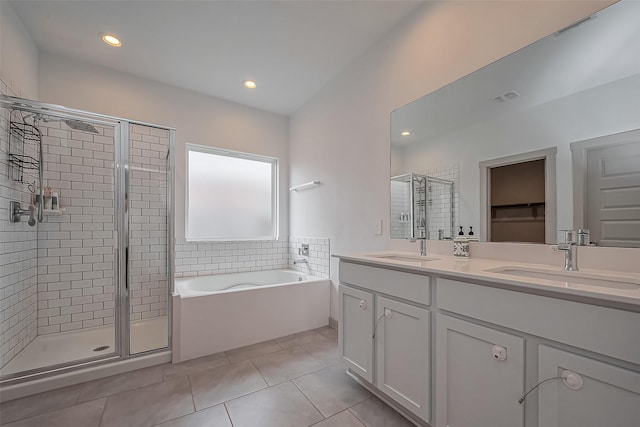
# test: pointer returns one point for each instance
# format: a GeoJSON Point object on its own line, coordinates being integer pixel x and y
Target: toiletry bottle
{"type": "Point", "coordinates": [55, 204]}
{"type": "Point", "coordinates": [472, 237]}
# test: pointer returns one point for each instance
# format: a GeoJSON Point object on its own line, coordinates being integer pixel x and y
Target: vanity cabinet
{"type": "Point", "coordinates": [386, 340]}
{"type": "Point", "coordinates": [604, 395]}
{"type": "Point", "coordinates": [355, 331]}
{"type": "Point", "coordinates": [479, 375]}
{"type": "Point", "coordinates": [489, 345]}
{"type": "Point", "coordinates": [402, 357]}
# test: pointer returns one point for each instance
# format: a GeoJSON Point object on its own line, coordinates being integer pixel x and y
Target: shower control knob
{"type": "Point", "coordinates": [363, 304]}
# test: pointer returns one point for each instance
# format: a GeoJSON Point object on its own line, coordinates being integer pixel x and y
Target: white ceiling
{"type": "Point", "coordinates": [291, 48]}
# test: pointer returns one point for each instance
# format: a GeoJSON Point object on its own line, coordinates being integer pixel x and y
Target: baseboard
{"type": "Point", "coordinates": [333, 323]}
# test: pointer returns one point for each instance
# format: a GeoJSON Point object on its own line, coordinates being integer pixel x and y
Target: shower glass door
{"type": "Point", "coordinates": [59, 290]}
{"type": "Point", "coordinates": [148, 211]}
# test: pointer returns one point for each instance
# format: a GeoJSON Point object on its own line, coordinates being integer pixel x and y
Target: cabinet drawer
{"type": "Point", "coordinates": [599, 329]}
{"type": "Point", "coordinates": [408, 286]}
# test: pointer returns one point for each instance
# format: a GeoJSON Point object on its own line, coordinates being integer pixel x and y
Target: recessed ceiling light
{"type": "Point", "coordinates": [111, 40]}
{"type": "Point", "coordinates": [405, 133]}
{"type": "Point", "coordinates": [249, 84]}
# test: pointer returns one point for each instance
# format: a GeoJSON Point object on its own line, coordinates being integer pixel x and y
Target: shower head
{"type": "Point", "coordinates": [72, 123]}
{"type": "Point", "coordinates": [78, 125]}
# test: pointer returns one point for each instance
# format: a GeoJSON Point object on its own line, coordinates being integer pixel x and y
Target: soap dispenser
{"type": "Point", "coordinates": [472, 236]}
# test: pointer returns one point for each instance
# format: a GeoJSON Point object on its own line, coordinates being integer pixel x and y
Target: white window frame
{"type": "Point", "coordinates": [275, 194]}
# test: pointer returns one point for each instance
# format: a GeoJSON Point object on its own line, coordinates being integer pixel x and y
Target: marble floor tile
{"type": "Point", "coordinates": [374, 412]}
{"type": "Point", "coordinates": [118, 383]}
{"type": "Point", "coordinates": [331, 390]}
{"type": "Point", "coordinates": [286, 364]}
{"type": "Point", "coordinates": [216, 416]}
{"type": "Point", "coordinates": [341, 419]}
{"type": "Point", "coordinates": [84, 415]}
{"type": "Point", "coordinates": [279, 406]}
{"type": "Point", "coordinates": [175, 370]}
{"type": "Point", "coordinates": [39, 404]}
{"type": "Point", "coordinates": [300, 338]}
{"type": "Point", "coordinates": [218, 385]}
{"type": "Point", "coordinates": [328, 332]}
{"type": "Point", "coordinates": [324, 351]}
{"type": "Point", "coordinates": [252, 351]}
{"type": "Point", "coordinates": [150, 405]}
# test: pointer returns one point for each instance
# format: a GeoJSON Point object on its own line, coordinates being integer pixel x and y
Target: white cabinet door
{"type": "Point", "coordinates": [403, 361]}
{"type": "Point", "coordinates": [355, 331]}
{"type": "Point", "coordinates": [473, 387]}
{"type": "Point", "coordinates": [609, 396]}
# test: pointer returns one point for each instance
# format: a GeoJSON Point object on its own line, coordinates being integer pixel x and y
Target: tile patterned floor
{"type": "Point", "coordinates": [289, 382]}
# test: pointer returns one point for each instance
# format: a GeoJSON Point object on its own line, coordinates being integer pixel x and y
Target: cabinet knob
{"type": "Point", "coordinates": [363, 304]}
{"type": "Point", "coordinates": [499, 352]}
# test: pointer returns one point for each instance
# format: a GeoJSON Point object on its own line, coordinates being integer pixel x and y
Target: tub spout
{"type": "Point", "coordinates": [300, 261]}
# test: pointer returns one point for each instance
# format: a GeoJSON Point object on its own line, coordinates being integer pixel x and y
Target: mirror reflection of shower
{"type": "Point", "coordinates": [26, 159]}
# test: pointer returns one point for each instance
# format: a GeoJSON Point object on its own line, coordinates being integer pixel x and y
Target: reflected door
{"type": "Point", "coordinates": [613, 194]}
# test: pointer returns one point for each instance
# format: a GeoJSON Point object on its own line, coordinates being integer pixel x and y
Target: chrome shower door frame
{"type": "Point", "coordinates": [121, 235]}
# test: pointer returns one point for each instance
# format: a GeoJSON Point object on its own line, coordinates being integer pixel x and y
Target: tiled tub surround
{"type": "Point", "coordinates": [318, 260]}
{"type": "Point", "coordinates": [400, 224]}
{"type": "Point", "coordinates": [293, 380]}
{"type": "Point", "coordinates": [206, 258]}
{"type": "Point", "coordinates": [76, 282]}
{"type": "Point", "coordinates": [18, 258]}
{"type": "Point", "coordinates": [148, 223]}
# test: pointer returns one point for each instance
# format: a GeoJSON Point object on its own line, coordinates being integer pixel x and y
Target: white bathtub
{"type": "Point", "coordinates": [203, 285]}
{"type": "Point", "coordinates": [222, 312]}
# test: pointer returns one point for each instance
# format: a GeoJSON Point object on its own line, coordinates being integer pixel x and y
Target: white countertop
{"type": "Point", "coordinates": [477, 269]}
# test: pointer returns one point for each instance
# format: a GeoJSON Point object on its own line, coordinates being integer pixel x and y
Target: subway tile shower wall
{"type": "Point", "coordinates": [76, 250]}
{"type": "Point", "coordinates": [318, 260]}
{"type": "Point", "coordinates": [18, 257]}
{"type": "Point", "coordinates": [148, 222]}
{"type": "Point", "coordinates": [206, 258]}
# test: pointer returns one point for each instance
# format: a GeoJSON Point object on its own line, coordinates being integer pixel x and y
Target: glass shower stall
{"type": "Point", "coordinates": [86, 239]}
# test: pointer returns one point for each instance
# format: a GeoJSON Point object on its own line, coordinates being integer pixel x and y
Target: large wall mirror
{"type": "Point", "coordinates": [542, 140]}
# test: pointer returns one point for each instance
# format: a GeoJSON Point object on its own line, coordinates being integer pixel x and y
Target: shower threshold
{"type": "Point", "coordinates": [65, 347]}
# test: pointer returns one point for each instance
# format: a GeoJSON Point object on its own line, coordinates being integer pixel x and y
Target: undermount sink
{"type": "Point", "coordinates": [571, 277]}
{"type": "Point", "coordinates": [403, 258]}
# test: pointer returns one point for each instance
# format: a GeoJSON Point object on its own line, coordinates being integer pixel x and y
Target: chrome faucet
{"type": "Point", "coordinates": [423, 245]}
{"type": "Point", "coordinates": [570, 263]}
{"type": "Point", "coordinates": [300, 261]}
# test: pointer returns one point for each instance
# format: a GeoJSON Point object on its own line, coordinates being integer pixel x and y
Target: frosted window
{"type": "Point", "coordinates": [230, 196]}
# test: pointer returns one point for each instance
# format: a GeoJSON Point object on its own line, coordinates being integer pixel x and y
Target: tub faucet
{"type": "Point", "coordinates": [570, 263]}
{"type": "Point", "coordinates": [300, 261]}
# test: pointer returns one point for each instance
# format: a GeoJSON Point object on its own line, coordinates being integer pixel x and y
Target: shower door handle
{"type": "Point", "coordinates": [126, 269]}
